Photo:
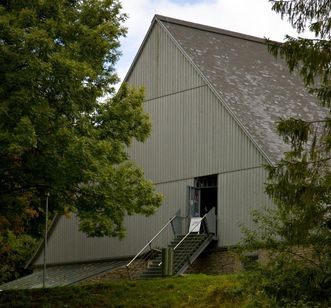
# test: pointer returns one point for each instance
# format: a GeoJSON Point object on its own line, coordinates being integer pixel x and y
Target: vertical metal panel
{"type": "Point", "coordinates": [192, 135]}
{"type": "Point", "coordinates": [161, 68]}
{"type": "Point", "coordinates": [67, 244]}
{"type": "Point", "coordinates": [238, 194]}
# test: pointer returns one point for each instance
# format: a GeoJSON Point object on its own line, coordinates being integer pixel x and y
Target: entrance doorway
{"type": "Point", "coordinates": [202, 199]}
{"type": "Point", "coordinates": [208, 193]}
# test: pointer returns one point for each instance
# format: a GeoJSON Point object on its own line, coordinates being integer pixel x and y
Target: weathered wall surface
{"type": "Point", "coordinates": [216, 262]}
{"type": "Point", "coordinates": [161, 68]}
{"type": "Point", "coordinates": [192, 135]}
{"type": "Point", "coordinates": [238, 194]}
{"type": "Point", "coordinates": [67, 244]}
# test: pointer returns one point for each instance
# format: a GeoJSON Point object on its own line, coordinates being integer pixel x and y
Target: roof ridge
{"type": "Point", "coordinates": [210, 29]}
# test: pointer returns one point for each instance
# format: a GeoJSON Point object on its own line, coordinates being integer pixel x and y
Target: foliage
{"type": "Point", "coordinates": [311, 57]}
{"type": "Point", "coordinates": [56, 135]}
{"type": "Point", "coordinates": [188, 291]}
{"type": "Point", "coordinates": [228, 292]}
{"type": "Point", "coordinates": [300, 184]}
{"type": "Point", "coordinates": [297, 232]}
{"type": "Point", "coordinates": [14, 251]}
{"type": "Point", "coordinates": [288, 282]}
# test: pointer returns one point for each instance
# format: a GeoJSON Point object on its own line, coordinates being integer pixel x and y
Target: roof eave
{"type": "Point", "coordinates": [212, 29]}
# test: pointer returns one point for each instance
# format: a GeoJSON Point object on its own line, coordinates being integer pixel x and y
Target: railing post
{"type": "Point", "coordinates": [167, 262]}
{"type": "Point", "coordinates": [127, 268]}
{"type": "Point", "coordinates": [173, 228]}
{"type": "Point", "coordinates": [131, 268]}
{"type": "Point", "coordinates": [165, 268]}
{"type": "Point", "coordinates": [206, 226]}
{"type": "Point", "coordinates": [170, 261]}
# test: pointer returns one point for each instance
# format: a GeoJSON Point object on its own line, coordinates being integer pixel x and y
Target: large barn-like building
{"type": "Point", "coordinates": [214, 97]}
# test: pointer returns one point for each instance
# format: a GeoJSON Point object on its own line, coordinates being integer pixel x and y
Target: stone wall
{"type": "Point", "coordinates": [215, 261]}
{"type": "Point", "coordinates": [212, 261]}
{"type": "Point", "coordinates": [120, 273]}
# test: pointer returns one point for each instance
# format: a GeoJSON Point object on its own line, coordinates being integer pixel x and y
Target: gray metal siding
{"type": "Point", "coordinates": [161, 68]}
{"type": "Point", "coordinates": [67, 244]}
{"type": "Point", "coordinates": [192, 135]}
{"type": "Point", "coordinates": [238, 194]}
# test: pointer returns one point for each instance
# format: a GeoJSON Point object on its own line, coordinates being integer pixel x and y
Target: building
{"type": "Point", "coordinates": [214, 97]}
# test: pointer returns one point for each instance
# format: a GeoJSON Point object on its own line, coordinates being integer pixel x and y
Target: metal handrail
{"type": "Point", "coordinates": [150, 242]}
{"type": "Point", "coordinates": [187, 234]}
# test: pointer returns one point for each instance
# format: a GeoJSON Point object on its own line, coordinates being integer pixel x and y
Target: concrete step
{"type": "Point", "coordinates": [182, 253]}
{"type": "Point", "coordinates": [154, 266]}
{"type": "Point", "coordinates": [155, 262]}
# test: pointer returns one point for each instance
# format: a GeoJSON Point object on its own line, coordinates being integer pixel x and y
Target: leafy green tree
{"type": "Point", "coordinates": [297, 232]}
{"type": "Point", "coordinates": [15, 250]}
{"type": "Point", "coordinates": [56, 134]}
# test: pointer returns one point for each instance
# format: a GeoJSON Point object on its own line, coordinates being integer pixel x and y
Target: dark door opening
{"type": "Point", "coordinates": [208, 193]}
{"type": "Point", "coordinates": [202, 199]}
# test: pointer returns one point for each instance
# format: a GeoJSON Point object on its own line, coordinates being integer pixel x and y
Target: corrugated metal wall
{"type": "Point", "coordinates": [67, 244]}
{"type": "Point", "coordinates": [161, 68]}
{"type": "Point", "coordinates": [238, 194]}
{"type": "Point", "coordinates": [193, 135]}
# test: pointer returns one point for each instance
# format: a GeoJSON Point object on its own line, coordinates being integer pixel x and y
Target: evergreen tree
{"type": "Point", "coordinates": [297, 232]}
{"type": "Point", "coordinates": [300, 184]}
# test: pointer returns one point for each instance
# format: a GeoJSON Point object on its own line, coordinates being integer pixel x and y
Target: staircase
{"type": "Point", "coordinates": [185, 253]}
{"type": "Point", "coordinates": [181, 252]}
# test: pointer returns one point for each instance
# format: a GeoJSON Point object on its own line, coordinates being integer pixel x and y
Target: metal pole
{"type": "Point", "coordinates": [165, 263]}
{"type": "Point", "coordinates": [45, 241]}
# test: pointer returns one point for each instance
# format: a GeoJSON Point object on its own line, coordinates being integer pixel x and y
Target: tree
{"type": "Point", "coordinates": [56, 134]}
{"type": "Point", "coordinates": [15, 250]}
{"type": "Point", "coordinates": [301, 182]}
{"type": "Point", "coordinates": [297, 232]}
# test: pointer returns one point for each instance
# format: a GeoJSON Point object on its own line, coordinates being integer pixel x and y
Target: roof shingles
{"type": "Point", "coordinates": [254, 85]}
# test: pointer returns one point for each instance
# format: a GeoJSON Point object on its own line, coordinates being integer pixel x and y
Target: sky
{"type": "Point", "coordinates": [253, 17]}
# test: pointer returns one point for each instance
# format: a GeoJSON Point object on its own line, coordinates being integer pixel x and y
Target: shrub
{"type": "Point", "coordinates": [15, 250]}
{"type": "Point", "coordinates": [288, 282]}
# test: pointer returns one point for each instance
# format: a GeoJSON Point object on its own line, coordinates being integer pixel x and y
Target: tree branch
{"type": "Point", "coordinates": [308, 162]}
{"type": "Point", "coordinates": [24, 188]}
{"type": "Point", "coordinates": [302, 257]}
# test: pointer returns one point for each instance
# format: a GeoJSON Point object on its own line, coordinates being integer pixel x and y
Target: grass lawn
{"type": "Point", "coordinates": [187, 291]}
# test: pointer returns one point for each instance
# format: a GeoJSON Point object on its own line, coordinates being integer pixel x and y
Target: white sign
{"type": "Point", "coordinates": [195, 224]}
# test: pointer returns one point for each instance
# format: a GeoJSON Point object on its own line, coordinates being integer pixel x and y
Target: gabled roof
{"type": "Point", "coordinates": [254, 86]}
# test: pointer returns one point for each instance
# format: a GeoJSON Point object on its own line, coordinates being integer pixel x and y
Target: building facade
{"type": "Point", "coordinates": [213, 97]}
